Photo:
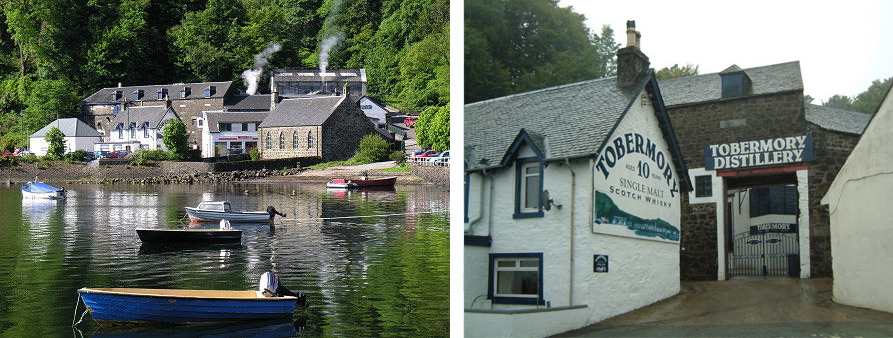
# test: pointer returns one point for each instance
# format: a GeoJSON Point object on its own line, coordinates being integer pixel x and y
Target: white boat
{"type": "Point", "coordinates": [215, 211]}
{"type": "Point", "coordinates": [42, 190]}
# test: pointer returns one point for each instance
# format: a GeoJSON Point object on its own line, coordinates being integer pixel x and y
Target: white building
{"type": "Point", "coordinates": [138, 128]}
{"type": "Point", "coordinates": [861, 231]}
{"type": "Point", "coordinates": [376, 112]}
{"type": "Point", "coordinates": [229, 132]}
{"type": "Point", "coordinates": [572, 204]}
{"type": "Point", "coordinates": [78, 136]}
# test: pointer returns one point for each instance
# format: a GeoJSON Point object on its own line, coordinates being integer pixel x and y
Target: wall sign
{"type": "Point", "coordinates": [773, 228]}
{"type": "Point", "coordinates": [600, 263]}
{"type": "Point", "coordinates": [748, 154]}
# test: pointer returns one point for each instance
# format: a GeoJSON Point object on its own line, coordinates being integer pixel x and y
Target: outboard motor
{"type": "Point", "coordinates": [224, 225]}
{"type": "Point", "coordinates": [272, 211]}
{"type": "Point", "coordinates": [270, 287]}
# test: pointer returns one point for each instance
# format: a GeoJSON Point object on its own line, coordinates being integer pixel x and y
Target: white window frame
{"type": "Point", "coordinates": [534, 263]}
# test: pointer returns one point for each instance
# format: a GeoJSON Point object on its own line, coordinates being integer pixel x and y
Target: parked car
{"type": "Point", "coordinates": [427, 153]}
{"type": "Point", "coordinates": [89, 156]}
{"type": "Point", "coordinates": [442, 157]}
{"type": "Point", "coordinates": [410, 121]}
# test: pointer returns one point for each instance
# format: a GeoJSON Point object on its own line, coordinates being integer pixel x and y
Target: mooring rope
{"type": "Point", "coordinates": [362, 216]}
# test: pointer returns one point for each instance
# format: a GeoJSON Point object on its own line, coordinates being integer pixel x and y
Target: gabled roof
{"type": "Point", "coordinates": [71, 127]}
{"type": "Point", "coordinates": [140, 115]}
{"type": "Point", "coordinates": [232, 117]}
{"type": "Point", "coordinates": [313, 75]}
{"type": "Point", "coordinates": [311, 111]}
{"type": "Point", "coordinates": [770, 79]}
{"type": "Point", "coordinates": [837, 119]}
{"type": "Point", "coordinates": [244, 102]}
{"type": "Point", "coordinates": [197, 91]}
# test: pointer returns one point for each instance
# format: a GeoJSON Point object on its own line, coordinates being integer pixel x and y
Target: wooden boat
{"type": "Point", "coordinates": [362, 182]}
{"type": "Point", "coordinates": [189, 235]}
{"type": "Point", "coordinates": [42, 190]}
{"type": "Point", "coordinates": [148, 306]}
{"type": "Point", "coordinates": [215, 211]}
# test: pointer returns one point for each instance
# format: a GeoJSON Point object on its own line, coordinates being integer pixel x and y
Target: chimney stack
{"type": "Point", "coordinates": [274, 92]}
{"type": "Point", "coordinates": [632, 64]}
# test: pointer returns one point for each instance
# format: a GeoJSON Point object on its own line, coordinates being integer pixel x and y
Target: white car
{"type": "Point", "coordinates": [443, 157]}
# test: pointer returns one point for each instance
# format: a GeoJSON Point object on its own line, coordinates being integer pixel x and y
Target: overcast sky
{"type": "Point", "coordinates": [842, 46]}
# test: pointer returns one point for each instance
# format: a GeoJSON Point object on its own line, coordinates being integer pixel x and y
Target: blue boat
{"type": "Point", "coordinates": [114, 306]}
{"type": "Point", "coordinates": [42, 190]}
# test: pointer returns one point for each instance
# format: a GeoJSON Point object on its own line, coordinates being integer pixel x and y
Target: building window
{"type": "Point", "coordinates": [281, 140]}
{"type": "Point", "coordinates": [224, 126]}
{"type": "Point", "coordinates": [120, 131]}
{"type": "Point", "coordinates": [775, 200]}
{"type": "Point", "coordinates": [132, 130]}
{"type": "Point", "coordinates": [704, 186]}
{"type": "Point", "coordinates": [268, 140]}
{"type": "Point", "coordinates": [529, 188]}
{"type": "Point", "coordinates": [98, 127]}
{"type": "Point", "coordinates": [146, 129]}
{"type": "Point", "coordinates": [210, 91]}
{"type": "Point", "coordinates": [185, 92]}
{"type": "Point", "coordinates": [245, 126]}
{"type": "Point", "coordinates": [309, 139]}
{"type": "Point", "coordinates": [294, 140]}
{"type": "Point", "coordinates": [516, 278]}
{"type": "Point", "coordinates": [160, 94]}
{"type": "Point", "coordinates": [116, 110]}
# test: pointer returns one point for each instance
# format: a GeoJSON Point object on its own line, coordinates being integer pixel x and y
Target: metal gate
{"type": "Point", "coordinates": [764, 254]}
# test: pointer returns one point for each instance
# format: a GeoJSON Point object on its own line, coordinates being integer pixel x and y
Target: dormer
{"type": "Point", "coordinates": [735, 82]}
{"type": "Point", "coordinates": [116, 95]}
{"type": "Point", "coordinates": [185, 92]}
{"type": "Point", "coordinates": [138, 94]}
{"type": "Point", "coordinates": [160, 94]}
{"type": "Point", "coordinates": [210, 91]}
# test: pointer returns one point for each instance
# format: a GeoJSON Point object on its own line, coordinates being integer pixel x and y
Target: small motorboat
{"type": "Point", "coordinates": [225, 234]}
{"type": "Point", "coordinates": [42, 190]}
{"type": "Point", "coordinates": [111, 306]}
{"type": "Point", "coordinates": [362, 182]}
{"type": "Point", "coordinates": [214, 211]}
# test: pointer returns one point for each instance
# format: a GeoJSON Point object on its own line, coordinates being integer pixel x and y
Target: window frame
{"type": "Point", "coordinates": [281, 140]}
{"type": "Point", "coordinates": [294, 140]}
{"type": "Point", "coordinates": [268, 144]}
{"type": "Point", "coordinates": [521, 211]}
{"type": "Point", "coordinates": [493, 279]}
{"type": "Point", "coordinates": [703, 189]}
{"type": "Point", "coordinates": [309, 140]}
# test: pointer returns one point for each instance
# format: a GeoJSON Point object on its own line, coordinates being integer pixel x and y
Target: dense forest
{"type": "Point", "coordinates": [54, 53]}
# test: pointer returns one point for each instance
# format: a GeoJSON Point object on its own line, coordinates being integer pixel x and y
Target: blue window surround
{"type": "Point", "coordinates": [467, 183]}
{"type": "Point", "coordinates": [519, 164]}
{"type": "Point", "coordinates": [514, 300]}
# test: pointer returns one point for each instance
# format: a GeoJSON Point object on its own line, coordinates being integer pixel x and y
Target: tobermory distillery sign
{"type": "Point", "coordinates": [748, 154]}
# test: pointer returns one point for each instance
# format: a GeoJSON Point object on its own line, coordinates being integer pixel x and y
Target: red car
{"type": "Point", "coordinates": [410, 121]}
{"type": "Point", "coordinates": [429, 153]}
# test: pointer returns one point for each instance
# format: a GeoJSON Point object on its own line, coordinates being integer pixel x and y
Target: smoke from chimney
{"type": "Point", "coordinates": [333, 35]}
{"type": "Point", "coordinates": [251, 76]}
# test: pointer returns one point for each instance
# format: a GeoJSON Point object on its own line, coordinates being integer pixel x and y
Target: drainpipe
{"type": "Point", "coordinates": [570, 295]}
{"type": "Point", "coordinates": [480, 214]}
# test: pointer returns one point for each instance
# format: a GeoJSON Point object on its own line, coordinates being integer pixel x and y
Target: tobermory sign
{"type": "Point", "coordinates": [748, 154]}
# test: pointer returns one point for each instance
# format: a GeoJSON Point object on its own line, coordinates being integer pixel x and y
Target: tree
{"type": "Point", "coordinates": [676, 71]}
{"type": "Point", "coordinates": [869, 100]}
{"type": "Point", "coordinates": [433, 128]}
{"type": "Point", "coordinates": [606, 48]}
{"type": "Point", "coordinates": [56, 143]}
{"type": "Point", "coordinates": [175, 138]}
{"type": "Point", "coordinates": [372, 148]}
{"type": "Point", "coordinates": [838, 101]}
{"type": "Point", "coordinates": [807, 99]}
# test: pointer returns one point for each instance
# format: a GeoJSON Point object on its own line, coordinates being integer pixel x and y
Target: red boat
{"type": "Point", "coordinates": [362, 182]}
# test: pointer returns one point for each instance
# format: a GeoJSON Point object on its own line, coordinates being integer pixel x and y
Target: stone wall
{"type": "Point", "coordinates": [186, 109]}
{"type": "Point", "coordinates": [271, 147]}
{"type": "Point", "coordinates": [435, 175]}
{"type": "Point", "coordinates": [342, 132]}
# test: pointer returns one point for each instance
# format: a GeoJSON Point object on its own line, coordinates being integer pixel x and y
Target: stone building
{"type": "Point", "coordinates": [861, 233]}
{"type": "Point", "coordinates": [141, 126]}
{"type": "Point", "coordinates": [761, 159]}
{"type": "Point", "coordinates": [188, 101]}
{"type": "Point", "coordinates": [329, 127]}
{"type": "Point", "coordinates": [572, 203]}
{"type": "Point", "coordinates": [307, 82]}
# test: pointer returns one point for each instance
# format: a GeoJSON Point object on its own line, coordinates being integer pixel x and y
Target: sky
{"type": "Point", "coordinates": [842, 46]}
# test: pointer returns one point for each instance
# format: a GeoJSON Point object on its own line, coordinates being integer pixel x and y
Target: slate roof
{"type": "Point", "coordinates": [837, 119]}
{"type": "Point", "coordinates": [71, 127]}
{"type": "Point", "coordinates": [197, 91]}
{"type": "Point", "coordinates": [565, 121]}
{"type": "Point", "coordinates": [311, 111]}
{"type": "Point", "coordinates": [232, 117]}
{"type": "Point", "coordinates": [140, 115]}
{"type": "Point", "coordinates": [243, 102]}
{"type": "Point", "coordinates": [782, 77]}
{"type": "Point", "coordinates": [313, 74]}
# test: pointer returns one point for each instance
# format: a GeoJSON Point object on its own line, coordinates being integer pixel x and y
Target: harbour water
{"type": "Point", "coordinates": [373, 263]}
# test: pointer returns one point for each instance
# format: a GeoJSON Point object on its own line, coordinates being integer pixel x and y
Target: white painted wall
{"type": "Point", "coordinates": [39, 146]}
{"type": "Point", "coordinates": [373, 110]}
{"type": "Point", "coordinates": [861, 229]}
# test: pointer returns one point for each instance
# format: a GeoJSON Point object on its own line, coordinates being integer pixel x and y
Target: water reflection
{"type": "Point", "coordinates": [364, 274]}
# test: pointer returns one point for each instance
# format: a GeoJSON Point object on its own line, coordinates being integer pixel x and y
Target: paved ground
{"type": "Point", "coordinates": [756, 307]}
{"type": "Point", "coordinates": [323, 175]}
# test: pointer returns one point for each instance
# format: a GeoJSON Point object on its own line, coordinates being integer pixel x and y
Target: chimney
{"type": "Point", "coordinates": [274, 96]}
{"type": "Point", "coordinates": [632, 64]}
{"type": "Point", "coordinates": [346, 90]}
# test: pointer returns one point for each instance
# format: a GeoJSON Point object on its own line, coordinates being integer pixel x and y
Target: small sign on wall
{"type": "Point", "coordinates": [600, 263]}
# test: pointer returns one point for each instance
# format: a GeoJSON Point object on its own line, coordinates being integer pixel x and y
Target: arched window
{"type": "Point", "coordinates": [294, 140]}
{"type": "Point", "coordinates": [281, 140]}
{"type": "Point", "coordinates": [309, 139]}
{"type": "Point", "coordinates": [269, 140]}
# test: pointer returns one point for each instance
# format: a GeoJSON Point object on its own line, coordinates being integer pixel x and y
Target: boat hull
{"type": "Point", "coordinates": [361, 183]}
{"type": "Point", "coordinates": [148, 306]}
{"type": "Point", "coordinates": [41, 190]}
{"type": "Point", "coordinates": [189, 235]}
{"type": "Point", "coordinates": [199, 215]}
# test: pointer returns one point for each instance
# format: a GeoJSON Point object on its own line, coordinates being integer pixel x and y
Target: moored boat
{"type": "Point", "coordinates": [189, 235]}
{"type": "Point", "coordinates": [42, 190]}
{"type": "Point", "coordinates": [173, 306]}
{"type": "Point", "coordinates": [215, 211]}
{"type": "Point", "coordinates": [362, 182]}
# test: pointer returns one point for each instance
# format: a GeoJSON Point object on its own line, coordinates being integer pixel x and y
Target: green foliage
{"type": "Point", "coordinates": [398, 156]}
{"type": "Point", "coordinates": [869, 100]}
{"type": "Point", "coordinates": [433, 128]}
{"type": "Point", "coordinates": [30, 158]}
{"type": "Point", "coordinates": [517, 46]}
{"type": "Point", "coordinates": [807, 99]}
{"type": "Point", "coordinates": [676, 71]}
{"type": "Point", "coordinates": [402, 168]}
{"type": "Point", "coordinates": [838, 101]}
{"type": "Point", "coordinates": [76, 156]}
{"type": "Point", "coordinates": [7, 161]}
{"type": "Point", "coordinates": [175, 139]}
{"type": "Point", "coordinates": [55, 144]}
{"type": "Point", "coordinates": [372, 148]}
{"type": "Point", "coordinates": [254, 154]}
{"type": "Point", "coordinates": [142, 156]}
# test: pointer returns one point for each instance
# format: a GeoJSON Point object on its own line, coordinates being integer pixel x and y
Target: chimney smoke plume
{"type": "Point", "coordinates": [252, 76]}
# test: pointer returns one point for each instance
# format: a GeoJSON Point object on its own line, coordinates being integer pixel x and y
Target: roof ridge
{"type": "Point", "coordinates": [741, 69]}
{"type": "Point", "coordinates": [562, 86]}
